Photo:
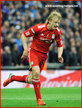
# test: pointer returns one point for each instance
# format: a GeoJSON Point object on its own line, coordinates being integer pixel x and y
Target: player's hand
{"type": "Point", "coordinates": [24, 55]}
{"type": "Point", "coordinates": [60, 59]}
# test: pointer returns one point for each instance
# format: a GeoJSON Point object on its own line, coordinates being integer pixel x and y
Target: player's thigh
{"type": "Point", "coordinates": [43, 61]}
{"type": "Point", "coordinates": [32, 58]}
{"type": "Point", "coordinates": [41, 66]}
{"type": "Point", "coordinates": [36, 72]}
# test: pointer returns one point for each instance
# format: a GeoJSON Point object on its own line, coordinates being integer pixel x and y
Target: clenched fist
{"type": "Point", "coordinates": [60, 59]}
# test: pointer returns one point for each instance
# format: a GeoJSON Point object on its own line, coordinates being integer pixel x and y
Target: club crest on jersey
{"type": "Point", "coordinates": [53, 36]}
{"type": "Point", "coordinates": [31, 63]}
{"type": "Point", "coordinates": [42, 34]}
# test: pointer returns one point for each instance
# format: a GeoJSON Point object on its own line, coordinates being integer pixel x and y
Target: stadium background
{"type": "Point", "coordinates": [16, 17]}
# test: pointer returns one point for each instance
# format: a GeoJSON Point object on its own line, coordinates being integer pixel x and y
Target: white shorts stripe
{"type": "Point", "coordinates": [36, 80]}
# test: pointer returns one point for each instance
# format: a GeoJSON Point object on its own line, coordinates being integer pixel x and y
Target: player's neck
{"type": "Point", "coordinates": [48, 26]}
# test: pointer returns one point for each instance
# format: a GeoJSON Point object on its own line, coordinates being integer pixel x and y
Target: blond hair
{"type": "Point", "coordinates": [53, 14]}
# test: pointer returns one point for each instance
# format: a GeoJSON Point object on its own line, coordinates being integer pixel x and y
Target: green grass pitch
{"type": "Point", "coordinates": [54, 97]}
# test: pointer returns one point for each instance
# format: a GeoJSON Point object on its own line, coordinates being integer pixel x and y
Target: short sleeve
{"type": "Point", "coordinates": [58, 38]}
{"type": "Point", "coordinates": [31, 31]}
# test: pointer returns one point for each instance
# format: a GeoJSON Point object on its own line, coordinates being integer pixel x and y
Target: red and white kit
{"type": "Point", "coordinates": [42, 39]}
{"type": "Point", "coordinates": [37, 55]}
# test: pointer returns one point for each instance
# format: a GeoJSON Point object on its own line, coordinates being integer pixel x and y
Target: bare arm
{"type": "Point", "coordinates": [60, 52]}
{"type": "Point", "coordinates": [24, 43]}
{"type": "Point", "coordinates": [59, 46]}
{"type": "Point", "coordinates": [25, 37]}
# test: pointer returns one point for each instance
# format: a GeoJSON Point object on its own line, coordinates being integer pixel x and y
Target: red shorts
{"type": "Point", "coordinates": [36, 58]}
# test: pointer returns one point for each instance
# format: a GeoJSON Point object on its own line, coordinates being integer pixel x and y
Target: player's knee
{"type": "Point", "coordinates": [30, 79]}
{"type": "Point", "coordinates": [36, 72]}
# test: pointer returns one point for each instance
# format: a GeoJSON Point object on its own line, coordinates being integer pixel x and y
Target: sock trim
{"type": "Point", "coordinates": [36, 80]}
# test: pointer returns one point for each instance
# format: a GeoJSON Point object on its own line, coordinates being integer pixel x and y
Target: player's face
{"type": "Point", "coordinates": [54, 23]}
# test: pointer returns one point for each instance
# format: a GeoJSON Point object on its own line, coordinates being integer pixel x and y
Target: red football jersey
{"type": "Point", "coordinates": [43, 37]}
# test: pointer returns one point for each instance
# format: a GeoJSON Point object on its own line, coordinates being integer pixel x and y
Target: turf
{"type": "Point", "coordinates": [54, 97]}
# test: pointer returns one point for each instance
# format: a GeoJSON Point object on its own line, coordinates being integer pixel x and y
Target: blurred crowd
{"type": "Point", "coordinates": [18, 16]}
